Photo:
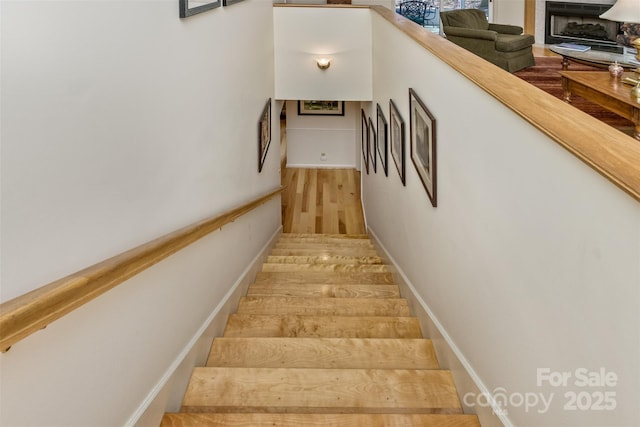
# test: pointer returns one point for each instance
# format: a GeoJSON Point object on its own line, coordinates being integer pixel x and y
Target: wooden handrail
{"type": "Point", "coordinates": [28, 313]}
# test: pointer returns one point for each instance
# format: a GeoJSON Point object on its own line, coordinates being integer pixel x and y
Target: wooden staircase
{"type": "Point", "coordinates": [323, 338]}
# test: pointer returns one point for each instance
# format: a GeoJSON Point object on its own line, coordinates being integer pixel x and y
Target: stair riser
{"type": "Point", "coordinates": [325, 291]}
{"type": "Point", "coordinates": [241, 325]}
{"type": "Point", "coordinates": [318, 420]}
{"type": "Point", "coordinates": [326, 240]}
{"type": "Point", "coordinates": [321, 391]}
{"type": "Point", "coordinates": [324, 252]}
{"type": "Point", "coordinates": [329, 268]}
{"type": "Point", "coordinates": [323, 353]}
{"type": "Point", "coordinates": [324, 236]}
{"type": "Point", "coordinates": [324, 277]}
{"type": "Point", "coordinates": [323, 306]}
{"type": "Point", "coordinates": [329, 259]}
{"type": "Point", "coordinates": [326, 246]}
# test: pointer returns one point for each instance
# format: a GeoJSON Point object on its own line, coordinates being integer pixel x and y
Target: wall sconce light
{"type": "Point", "coordinates": [323, 63]}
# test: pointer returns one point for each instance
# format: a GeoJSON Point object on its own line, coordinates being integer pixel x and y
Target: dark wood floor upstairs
{"type": "Point", "coordinates": [322, 201]}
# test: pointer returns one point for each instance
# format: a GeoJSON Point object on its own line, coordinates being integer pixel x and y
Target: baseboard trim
{"type": "Point", "coordinates": [166, 396]}
{"type": "Point", "coordinates": [449, 355]}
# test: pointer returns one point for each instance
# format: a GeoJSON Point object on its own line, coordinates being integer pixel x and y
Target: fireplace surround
{"type": "Point", "coordinates": [580, 23]}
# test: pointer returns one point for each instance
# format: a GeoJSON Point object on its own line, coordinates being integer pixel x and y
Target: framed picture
{"type": "Point", "coordinates": [382, 139]}
{"type": "Point", "coordinates": [192, 7]}
{"type": "Point", "coordinates": [230, 2]}
{"type": "Point", "coordinates": [372, 146]}
{"type": "Point", "coordinates": [396, 136]}
{"type": "Point", "coordinates": [321, 108]}
{"type": "Point", "coordinates": [364, 131]}
{"type": "Point", "coordinates": [264, 134]}
{"type": "Point", "coordinates": [422, 127]}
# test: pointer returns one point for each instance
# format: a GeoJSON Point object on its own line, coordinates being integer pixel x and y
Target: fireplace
{"type": "Point", "coordinates": [580, 23]}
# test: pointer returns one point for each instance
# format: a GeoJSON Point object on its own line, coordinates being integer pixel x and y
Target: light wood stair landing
{"type": "Point", "coordinates": [322, 339]}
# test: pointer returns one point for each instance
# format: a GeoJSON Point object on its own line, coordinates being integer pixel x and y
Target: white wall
{"type": "Point", "coordinates": [120, 123]}
{"type": "Point", "coordinates": [508, 12]}
{"type": "Point", "coordinates": [531, 259]}
{"type": "Point", "coordinates": [304, 34]}
{"type": "Point", "coordinates": [309, 137]}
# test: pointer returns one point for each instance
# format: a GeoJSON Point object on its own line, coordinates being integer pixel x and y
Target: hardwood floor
{"type": "Point", "coordinates": [322, 201]}
{"type": "Point", "coordinates": [542, 50]}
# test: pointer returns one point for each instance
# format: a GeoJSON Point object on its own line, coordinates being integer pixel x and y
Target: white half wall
{"type": "Point", "coordinates": [322, 141]}
{"type": "Point", "coordinates": [531, 261]}
{"type": "Point", "coordinates": [120, 123]}
{"type": "Point", "coordinates": [304, 34]}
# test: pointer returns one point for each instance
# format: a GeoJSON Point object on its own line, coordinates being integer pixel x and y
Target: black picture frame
{"type": "Point", "coordinates": [382, 141]}
{"type": "Point", "coordinates": [264, 134]}
{"type": "Point", "coordinates": [189, 8]}
{"type": "Point", "coordinates": [372, 146]}
{"type": "Point", "coordinates": [422, 126]}
{"type": "Point", "coordinates": [320, 108]}
{"type": "Point", "coordinates": [397, 144]}
{"type": "Point", "coordinates": [364, 131]}
{"type": "Point", "coordinates": [230, 2]}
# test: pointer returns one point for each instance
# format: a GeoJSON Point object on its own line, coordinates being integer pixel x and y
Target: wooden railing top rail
{"type": "Point", "coordinates": [611, 153]}
{"type": "Point", "coordinates": [26, 314]}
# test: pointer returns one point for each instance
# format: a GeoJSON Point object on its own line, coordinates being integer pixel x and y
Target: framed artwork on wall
{"type": "Point", "coordinates": [382, 139]}
{"type": "Point", "coordinates": [321, 108]}
{"type": "Point", "coordinates": [422, 126]}
{"type": "Point", "coordinates": [364, 132]}
{"type": "Point", "coordinates": [372, 146]}
{"type": "Point", "coordinates": [264, 134]}
{"type": "Point", "coordinates": [396, 136]}
{"type": "Point", "coordinates": [193, 7]}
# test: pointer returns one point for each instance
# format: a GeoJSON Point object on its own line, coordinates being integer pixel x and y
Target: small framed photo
{"type": "Point", "coordinates": [372, 146]}
{"type": "Point", "coordinates": [193, 7]}
{"type": "Point", "coordinates": [382, 140]}
{"type": "Point", "coordinates": [422, 127]}
{"type": "Point", "coordinates": [364, 131]}
{"type": "Point", "coordinates": [264, 134]}
{"type": "Point", "coordinates": [396, 136]}
{"type": "Point", "coordinates": [321, 108]}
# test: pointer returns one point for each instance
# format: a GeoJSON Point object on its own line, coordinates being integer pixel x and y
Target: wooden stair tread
{"type": "Point", "coordinates": [325, 259]}
{"type": "Point", "coordinates": [321, 390]}
{"type": "Point", "coordinates": [324, 277]}
{"type": "Point", "coordinates": [335, 353]}
{"type": "Point", "coordinates": [327, 245]}
{"type": "Point", "coordinates": [317, 420]}
{"type": "Point", "coordinates": [322, 252]}
{"type": "Point", "coordinates": [337, 241]}
{"type": "Point", "coordinates": [338, 268]}
{"type": "Point", "coordinates": [257, 325]}
{"type": "Point", "coordinates": [324, 306]}
{"type": "Point", "coordinates": [324, 291]}
{"type": "Point", "coordinates": [320, 235]}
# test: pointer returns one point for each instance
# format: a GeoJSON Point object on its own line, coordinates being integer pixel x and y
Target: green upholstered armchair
{"type": "Point", "coordinates": [503, 45]}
